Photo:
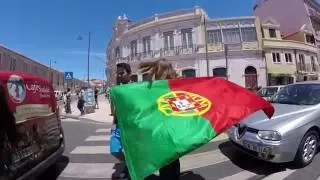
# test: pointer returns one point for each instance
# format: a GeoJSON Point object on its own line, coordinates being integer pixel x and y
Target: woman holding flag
{"type": "Point", "coordinates": [160, 70]}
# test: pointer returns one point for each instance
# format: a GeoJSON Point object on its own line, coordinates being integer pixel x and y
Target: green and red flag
{"type": "Point", "coordinates": [161, 121]}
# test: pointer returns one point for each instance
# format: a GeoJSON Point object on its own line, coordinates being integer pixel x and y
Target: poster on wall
{"type": "Point", "coordinates": [89, 97]}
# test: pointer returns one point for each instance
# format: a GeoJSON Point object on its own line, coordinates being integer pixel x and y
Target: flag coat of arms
{"type": "Point", "coordinates": [161, 121]}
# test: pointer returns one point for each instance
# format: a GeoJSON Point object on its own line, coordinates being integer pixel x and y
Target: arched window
{"type": "Point", "coordinates": [189, 73]}
{"type": "Point", "coordinates": [251, 77]}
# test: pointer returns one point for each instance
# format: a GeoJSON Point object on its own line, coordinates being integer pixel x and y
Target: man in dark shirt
{"type": "Point", "coordinates": [123, 77]}
{"type": "Point", "coordinates": [96, 93]}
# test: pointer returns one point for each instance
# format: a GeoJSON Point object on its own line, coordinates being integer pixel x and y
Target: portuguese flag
{"type": "Point", "coordinates": [161, 121]}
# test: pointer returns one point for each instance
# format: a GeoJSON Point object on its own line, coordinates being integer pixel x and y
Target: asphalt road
{"type": "Point", "coordinates": [86, 157]}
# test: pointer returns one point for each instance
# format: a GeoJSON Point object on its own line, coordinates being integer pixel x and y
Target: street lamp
{"type": "Point", "coordinates": [88, 63]}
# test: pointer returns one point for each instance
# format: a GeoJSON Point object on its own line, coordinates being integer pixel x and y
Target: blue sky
{"type": "Point", "coordinates": [48, 29]}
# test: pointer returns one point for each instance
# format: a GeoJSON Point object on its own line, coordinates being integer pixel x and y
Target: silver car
{"type": "Point", "coordinates": [292, 135]}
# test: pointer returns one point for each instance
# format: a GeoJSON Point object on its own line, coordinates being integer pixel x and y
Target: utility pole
{"type": "Point", "coordinates": [206, 45]}
{"type": "Point", "coordinates": [88, 66]}
{"type": "Point", "coordinates": [227, 61]}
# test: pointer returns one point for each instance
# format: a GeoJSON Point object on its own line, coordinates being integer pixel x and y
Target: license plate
{"type": "Point", "coordinates": [251, 146]}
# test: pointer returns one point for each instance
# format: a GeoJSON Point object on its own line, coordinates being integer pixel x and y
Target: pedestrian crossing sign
{"type": "Point", "coordinates": [68, 75]}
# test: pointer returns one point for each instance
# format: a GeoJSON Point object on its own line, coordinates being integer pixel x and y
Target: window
{"type": "Point", "coordinates": [249, 34]}
{"type": "Point", "coordinates": [189, 73]}
{"type": "Point", "coordinates": [134, 48]}
{"type": "Point", "coordinates": [276, 57]}
{"type": "Point", "coordinates": [35, 70]}
{"type": "Point", "coordinates": [25, 67]}
{"type": "Point", "coordinates": [146, 44]}
{"type": "Point", "coordinates": [220, 72]}
{"type": "Point", "coordinates": [288, 58]}
{"type": "Point", "coordinates": [262, 32]}
{"type": "Point", "coordinates": [13, 64]}
{"type": "Point", "coordinates": [214, 37]}
{"type": "Point", "coordinates": [231, 36]}
{"type": "Point", "coordinates": [168, 40]}
{"type": "Point", "coordinates": [186, 38]}
{"type": "Point", "coordinates": [301, 59]}
{"type": "Point", "coordinates": [58, 80]}
{"type": "Point", "coordinates": [310, 39]}
{"type": "Point", "coordinates": [117, 52]}
{"type": "Point", "coordinates": [272, 33]}
{"type": "Point", "coordinates": [313, 64]}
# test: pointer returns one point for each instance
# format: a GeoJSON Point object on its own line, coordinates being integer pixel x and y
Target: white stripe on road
{"type": "Point", "coordinates": [280, 175]}
{"type": "Point", "coordinates": [221, 137]}
{"type": "Point", "coordinates": [318, 178]}
{"type": "Point", "coordinates": [91, 150]}
{"type": "Point", "coordinates": [70, 120]}
{"type": "Point", "coordinates": [88, 170]}
{"type": "Point", "coordinates": [240, 175]}
{"type": "Point", "coordinates": [107, 130]}
{"type": "Point", "coordinates": [105, 170]}
{"type": "Point", "coordinates": [200, 160]}
{"type": "Point", "coordinates": [98, 138]}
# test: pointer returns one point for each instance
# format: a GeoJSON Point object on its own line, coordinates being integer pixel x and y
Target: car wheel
{"type": "Point", "coordinates": [307, 149]}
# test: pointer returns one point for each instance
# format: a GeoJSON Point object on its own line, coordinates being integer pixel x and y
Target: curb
{"type": "Point", "coordinates": [82, 118]}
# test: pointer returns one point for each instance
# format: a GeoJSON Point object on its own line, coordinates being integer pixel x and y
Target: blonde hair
{"type": "Point", "coordinates": [159, 69]}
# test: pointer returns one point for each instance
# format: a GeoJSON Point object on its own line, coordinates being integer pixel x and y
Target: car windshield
{"type": "Point", "coordinates": [268, 91]}
{"type": "Point", "coordinates": [298, 94]}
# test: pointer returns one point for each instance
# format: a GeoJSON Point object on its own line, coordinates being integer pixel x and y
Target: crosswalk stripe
{"type": "Point", "coordinates": [279, 175]}
{"type": "Point", "coordinates": [70, 120]}
{"type": "Point", "coordinates": [240, 175]}
{"type": "Point", "coordinates": [91, 150]}
{"type": "Point", "coordinates": [318, 178]}
{"type": "Point", "coordinates": [106, 130]}
{"type": "Point", "coordinates": [107, 137]}
{"type": "Point", "coordinates": [199, 160]}
{"type": "Point", "coordinates": [221, 137]}
{"type": "Point", "coordinates": [98, 138]}
{"type": "Point", "coordinates": [88, 170]}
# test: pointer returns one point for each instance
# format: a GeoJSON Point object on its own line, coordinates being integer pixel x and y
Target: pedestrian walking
{"type": "Point", "coordinates": [68, 101]}
{"type": "Point", "coordinates": [96, 94]}
{"type": "Point", "coordinates": [160, 70]}
{"type": "Point", "coordinates": [81, 101]}
{"type": "Point", "coordinates": [116, 149]}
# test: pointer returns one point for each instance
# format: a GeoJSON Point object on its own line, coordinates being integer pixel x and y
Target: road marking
{"type": "Point", "coordinates": [240, 175]}
{"type": "Point", "coordinates": [318, 178]}
{"type": "Point", "coordinates": [200, 160]}
{"type": "Point", "coordinates": [221, 137]}
{"type": "Point", "coordinates": [70, 120]}
{"type": "Point", "coordinates": [107, 130]}
{"type": "Point", "coordinates": [105, 170]}
{"type": "Point", "coordinates": [88, 170]}
{"type": "Point", "coordinates": [280, 175]}
{"type": "Point", "coordinates": [91, 150]}
{"type": "Point", "coordinates": [98, 138]}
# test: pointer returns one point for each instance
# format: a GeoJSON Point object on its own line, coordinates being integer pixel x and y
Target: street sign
{"type": "Point", "coordinates": [68, 76]}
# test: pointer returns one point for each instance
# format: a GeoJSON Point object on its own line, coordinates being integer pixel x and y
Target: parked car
{"type": "Point", "coordinates": [31, 136]}
{"type": "Point", "coordinates": [292, 135]}
{"type": "Point", "coordinates": [269, 91]}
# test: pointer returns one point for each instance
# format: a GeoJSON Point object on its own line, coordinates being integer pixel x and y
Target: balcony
{"type": "Point", "coordinates": [163, 52]}
{"type": "Point", "coordinates": [314, 68]}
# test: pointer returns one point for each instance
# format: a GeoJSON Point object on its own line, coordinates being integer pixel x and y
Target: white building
{"type": "Point", "coordinates": [180, 37]}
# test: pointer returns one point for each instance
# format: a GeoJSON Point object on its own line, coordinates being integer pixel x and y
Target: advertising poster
{"type": "Point", "coordinates": [89, 97]}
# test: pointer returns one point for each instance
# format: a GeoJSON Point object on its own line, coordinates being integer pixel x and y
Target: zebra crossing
{"type": "Point", "coordinates": [215, 161]}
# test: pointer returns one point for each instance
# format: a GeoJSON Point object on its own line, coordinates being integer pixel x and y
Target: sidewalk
{"type": "Point", "coordinates": [100, 115]}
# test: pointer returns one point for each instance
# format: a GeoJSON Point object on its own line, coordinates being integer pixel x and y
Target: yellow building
{"type": "Point", "coordinates": [289, 58]}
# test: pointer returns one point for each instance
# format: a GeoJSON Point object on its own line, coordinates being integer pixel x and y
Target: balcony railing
{"type": "Point", "coordinates": [308, 67]}
{"type": "Point", "coordinates": [163, 52]}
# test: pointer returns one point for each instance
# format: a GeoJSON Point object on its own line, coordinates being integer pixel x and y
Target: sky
{"type": "Point", "coordinates": [47, 30]}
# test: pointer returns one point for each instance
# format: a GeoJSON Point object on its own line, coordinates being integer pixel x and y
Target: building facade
{"type": "Point", "coordinates": [13, 61]}
{"type": "Point", "coordinates": [181, 37]}
{"type": "Point", "coordinates": [288, 58]}
{"type": "Point", "coordinates": [305, 13]}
